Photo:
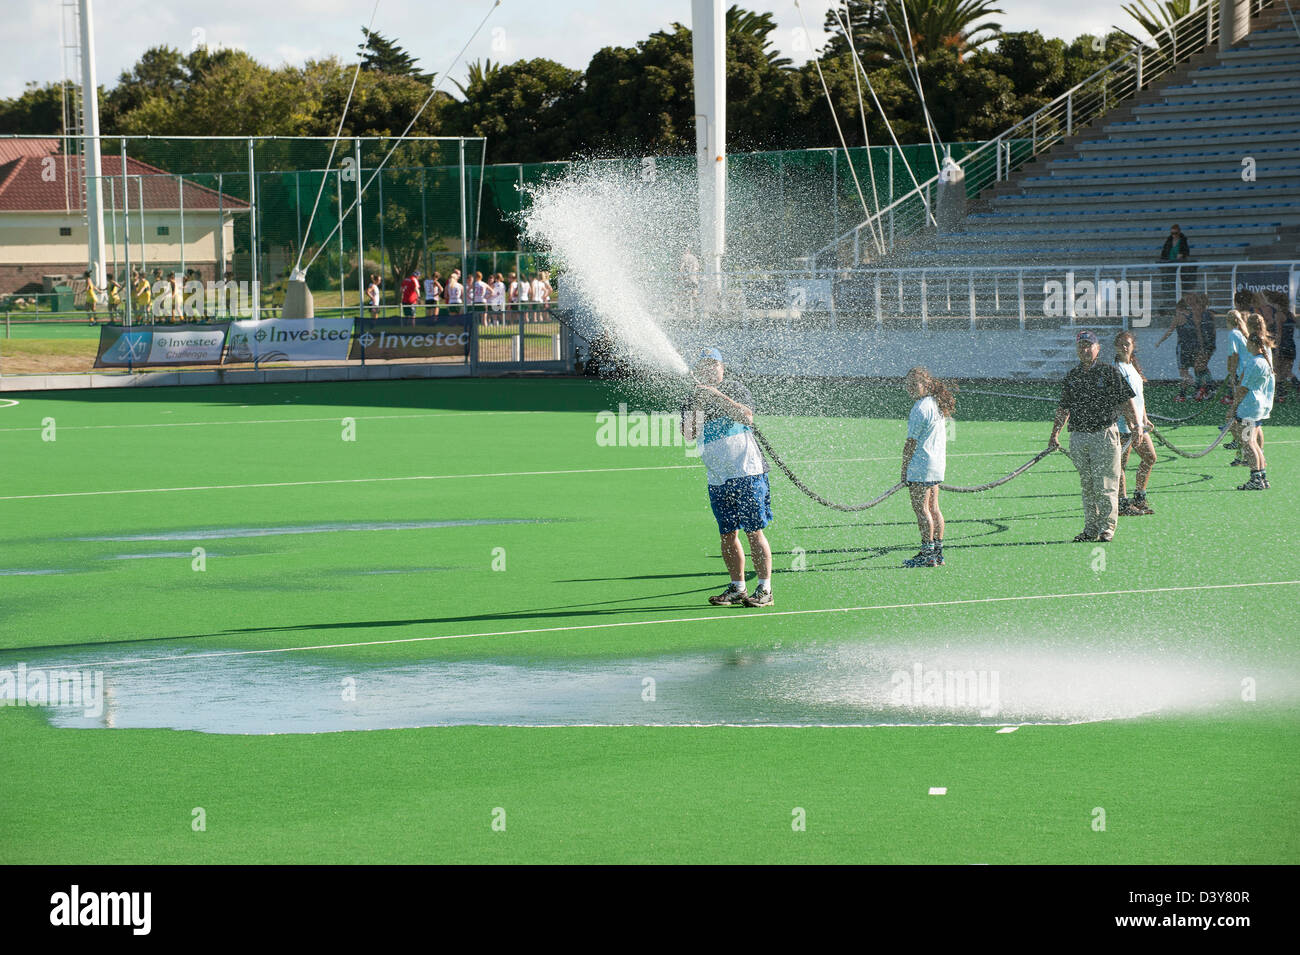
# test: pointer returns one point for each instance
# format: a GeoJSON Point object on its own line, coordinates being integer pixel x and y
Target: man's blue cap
{"type": "Point", "coordinates": [1086, 337]}
{"type": "Point", "coordinates": [712, 354]}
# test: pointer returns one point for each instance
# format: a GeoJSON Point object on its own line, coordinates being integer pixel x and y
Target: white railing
{"type": "Point", "coordinates": [995, 160]}
{"type": "Point", "coordinates": [1126, 295]}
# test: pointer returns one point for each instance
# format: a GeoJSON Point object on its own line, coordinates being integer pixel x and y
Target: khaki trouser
{"type": "Point", "coordinates": [1096, 456]}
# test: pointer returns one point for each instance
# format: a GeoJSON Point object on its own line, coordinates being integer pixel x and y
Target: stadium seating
{"type": "Point", "coordinates": [1172, 154]}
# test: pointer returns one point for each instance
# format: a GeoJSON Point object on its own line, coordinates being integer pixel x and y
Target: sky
{"type": "Point", "coordinates": [434, 31]}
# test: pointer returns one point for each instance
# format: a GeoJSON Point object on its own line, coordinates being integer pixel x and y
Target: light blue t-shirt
{"type": "Point", "coordinates": [1257, 378]}
{"type": "Point", "coordinates": [1130, 375]}
{"type": "Point", "coordinates": [726, 446]}
{"type": "Point", "coordinates": [925, 423]}
{"type": "Point", "coordinates": [1237, 346]}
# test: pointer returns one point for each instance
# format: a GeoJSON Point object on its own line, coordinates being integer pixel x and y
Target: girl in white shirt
{"type": "Point", "coordinates": [455, 293]}
{"type": "Point", "coordinates": [372, 296]}
{"type": "Point", "coordinates": [499, 297]}
{"type": "Point", "coordinates": [925, 459]}
{"type": "Point", "coordinates": [1126, 364]}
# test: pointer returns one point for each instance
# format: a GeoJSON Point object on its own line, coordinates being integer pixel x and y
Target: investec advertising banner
{"type": "Point", "coordinates": [1264, 280]}
{"type": "Point", "coordinates": [290, 339]}
{"type": "Point", "coordinates": [121, 347]}
{"type": "Point", "coordinates": [441, 337]}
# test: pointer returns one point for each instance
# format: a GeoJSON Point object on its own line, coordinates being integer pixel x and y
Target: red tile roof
{"type": "Point", "coordinates": [23, 188]}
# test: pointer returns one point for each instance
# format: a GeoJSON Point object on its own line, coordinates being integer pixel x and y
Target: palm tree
{"type": "Point", "coordinates": [1156, 17]}
{"type": "Point", "coordinates": [879, 26]}
{"type": "Point", "coordinates": [939, 24]}
{"type": "Point", "coordinates": [759, 26]}
{"type": "Point", "coordinates": [480, 73]}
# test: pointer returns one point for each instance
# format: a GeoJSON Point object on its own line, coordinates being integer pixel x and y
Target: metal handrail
{"type": "Point", "coordinates": [1131, 71]}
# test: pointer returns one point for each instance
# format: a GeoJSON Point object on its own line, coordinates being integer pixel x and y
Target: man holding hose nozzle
{"type": "Point", "coordinates": [720, 416]}
{"type": "Point", "coordinates": [1092, 396]}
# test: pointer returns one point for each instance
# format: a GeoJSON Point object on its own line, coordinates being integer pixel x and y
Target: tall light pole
{"type": "Point", "coordinates": [709, 54]}
{"type": "Point", "coordinates": [91, 174]}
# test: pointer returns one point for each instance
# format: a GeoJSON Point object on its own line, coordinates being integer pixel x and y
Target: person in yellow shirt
{"type": "Point", "coordinates": [177, 297]}
{"type": "Point", "coordinates": [114, 298]}
{"type": "Point", "coordinates": [92, 295]}
{"type": "Point", "coordinates": [143, 298]}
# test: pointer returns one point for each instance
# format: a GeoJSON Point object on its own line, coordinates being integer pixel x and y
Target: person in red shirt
{"type": "Point", "coordinates": [410, 294]}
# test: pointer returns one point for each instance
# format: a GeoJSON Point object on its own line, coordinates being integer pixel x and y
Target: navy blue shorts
{"type": "Point", "coordinates": [742, 504]}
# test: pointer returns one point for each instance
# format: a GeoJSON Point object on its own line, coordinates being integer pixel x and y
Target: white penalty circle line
{"type": "Point", "coordinates": [8, 403]}
{"type": "Point", "coordinates": [652, 623]}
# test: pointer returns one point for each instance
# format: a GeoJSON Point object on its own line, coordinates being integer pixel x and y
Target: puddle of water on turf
{"type": "Point", "coordinates": [840, 684]}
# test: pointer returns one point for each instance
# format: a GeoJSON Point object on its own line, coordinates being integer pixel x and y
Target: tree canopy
{"type": "Point", "coordinates": [629, 100]}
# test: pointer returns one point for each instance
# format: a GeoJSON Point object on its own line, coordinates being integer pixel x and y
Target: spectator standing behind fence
{"type": "Point", "coordinates": [541, 295]}
{"type": "Point", "coordinates": [1174, 250]}
{"type": "Point", "coordinates": [224, 289]}
{"type": "Point", "coordinates": [372, 296]}
{"type": "Point", "coordinates": [478, 293]}
{"type": "Point", "coordinates": [455, 293]}
{"type": "Point", "coordinates": [177, 296]}
{"type": "Point", "coordinates": [114, 298]}
{"type": "Point", "coordinates": [432, 294]}
{"type": "Point", "coordinates": [512, 291]}
{"type": "Point", "coordinates": [410, 294]}
{"type": "Point", "coordinates": [525, 294]}
{"type": "Point", "coordinates": [92, 295]}
{"type": "Point", "coordinates": [194, 305]}
{"type": "Point", "coordinates": [141, 297]}
{"type": "Point", "coordinates": [1091, 397]}
{"type": "Point", "coordinates": [499, 297]}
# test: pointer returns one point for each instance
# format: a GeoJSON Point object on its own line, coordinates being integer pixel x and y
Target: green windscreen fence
{"type": "Point", "coordinates": [804, 198]}
{"type": "Point", "coordinates": [253, 206]}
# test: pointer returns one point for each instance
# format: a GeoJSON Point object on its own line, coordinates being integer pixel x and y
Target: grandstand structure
{"type": "Point", "coordinates": [1200, 128]}
{"type": "Point", "coordinates": [1215, 149]}
{"type": "Point", "coordinates": [1159, 135]}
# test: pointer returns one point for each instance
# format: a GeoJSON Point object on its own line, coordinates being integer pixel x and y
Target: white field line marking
{"type": "Point", "coordinates": [1009, 729]}
{"type": "Point", "coordinates": [652, 623]}
{"type": "Point", "coordinates": [736, 726]}
{"type": "Point", "coordinates": [1005, 394]}
{"type": "Point", "coordinates": [335, 418]}
{"type": "Point", "coordinates": [8, 403]}
{"type": "Point", "coordinates": [938, 790]}
{"type": "Point", "coordinates": [451, 477]}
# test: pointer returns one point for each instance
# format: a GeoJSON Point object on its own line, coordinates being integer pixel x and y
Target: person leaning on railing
{"type": "Point", "coordinates": [1175, 249]}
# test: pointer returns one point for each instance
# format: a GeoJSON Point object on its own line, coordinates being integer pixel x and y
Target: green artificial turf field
{"type": "Point", "coordinates": [475, 555]}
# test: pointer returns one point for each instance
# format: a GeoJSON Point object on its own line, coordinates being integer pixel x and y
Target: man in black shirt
{"type": "Point", "coordinates": [1092, 397]}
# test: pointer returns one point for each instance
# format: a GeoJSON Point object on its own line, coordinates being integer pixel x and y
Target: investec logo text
{"type": "Point", "coordinates": [640, 430]}
{"type": "Point", "coordinates": [391, 340]}
{"type": "Point", "coordinates": [24, 687]}
{"type": "Point", "coordinates": [281, 334]}
{"type": "Point", "coordinates": [75, 907]}
{"type": "Point", "coordinates": [205, 339]}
